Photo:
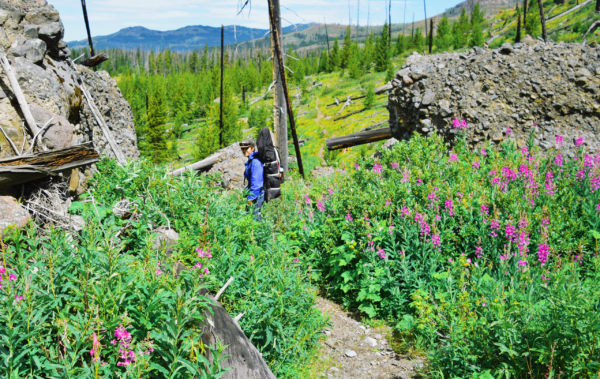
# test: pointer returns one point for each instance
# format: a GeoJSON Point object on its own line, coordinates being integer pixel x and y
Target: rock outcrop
{"type": "Point", "coordinates": [502, 93]}
{"type": "Point", "coordinates": [231, 166]}
{"type": "Point", "coordinates": [11, 214]}
{"type": "Point", "coordinates": [31, 35]}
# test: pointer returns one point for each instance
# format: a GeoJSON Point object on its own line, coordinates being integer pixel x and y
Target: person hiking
{"type": "Point", "coordinates": [254, 174]}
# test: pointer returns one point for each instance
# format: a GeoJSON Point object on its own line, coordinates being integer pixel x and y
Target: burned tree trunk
{"type": "Point", "coordinates": [95, 60]}
{"type": "Point", "coordinates": [543, 19]}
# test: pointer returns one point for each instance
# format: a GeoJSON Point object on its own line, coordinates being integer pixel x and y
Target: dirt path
{"type": "Point", "coordinates": [357, 351]}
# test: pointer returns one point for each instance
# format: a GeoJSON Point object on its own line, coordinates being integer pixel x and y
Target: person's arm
{"type": "Point", "coordinates": [256, 182]}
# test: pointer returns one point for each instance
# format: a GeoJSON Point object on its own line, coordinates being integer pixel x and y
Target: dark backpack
{"type": "Point", "coordinates": [273, 173]}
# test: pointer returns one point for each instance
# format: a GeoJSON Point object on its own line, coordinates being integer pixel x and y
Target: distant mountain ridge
{"type": "Point", "coordinates": [186, 38]}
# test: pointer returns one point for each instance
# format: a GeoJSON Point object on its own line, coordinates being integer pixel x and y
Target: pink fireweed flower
{"type": "Point", "coordinates": [469, 260]}
{"type": "Point", "coordinates": [483, 152]}
{"type": "Point", "coordinates": [203, 253]}
{"type": "Point", "coordinates": [308, 200]}
{"type": "Point", "coordinates": [12, 277]}
{"type": "Point", "coordinates": [523, 264]}
{"type": "Point", "coordinates": [296, 260]}
{"type": "Point", "coordinates": [475, 165]}
{"type": "Point", "coordinates": [580, 175]}
{"type": "Point", "coordinates": [388, 203]}
{"type": "Point", "coordinates": [18, 298]}
{"type": "Point", "coordinates": [484, 304]}
{"type": "Point", "coordinates": [348, 217]}
{"type": "Point", "coordinates": [419, 182]}
{"type": "Point", "coordinates": [404, 177]}
{"type": "Point", "coordinates": [511, 233]}
{"type": "Point", "coordinates": [485, 211]}
{"type": "Point", "coordinates": [406, 212]}
{"type": "Point", "coordinates": [96, 347]}
{"type": "Point", "coordinates": [158, 270]}
{"type": "Point", "coordinates": [435, 241]}
{"type": "Point", "coordinates": [449, 207]}
{"type": "Point", "coordinates": [453, 158]}
{"type": "Point", "coordinates": [198, 265]}
{"type": "Point", "coordinates": [558, 160]}
{"type": "Point", "coordinates": [450, 260]}
{"type": "Point", "coordinates": [356, 166]}
{"type": "Point", "coordinates": [598, 208]}
{"type": "Point", "coordinates": [204, 272]}
{"type": "Point", "coordinates": [395, 165]}
{"type": "Point", "coordinates": [508, 131]}
{"type": "Point", "coordinates": [494, 225]}
{"type": "Point", "coordinates": [524, 151]}
{"type": "Point", "coordinates": [320, 206]}
{"type": "Point", "coordinates": [438, 217]}
{"type": "Point", "coordinates": [543, 252]}
{"type": "Point", "coordinates": [459, 124]}
{"type": "Point", "coordinates": [549, 183]}
{"type": "Point", "coordinates": [545, 222]}
{"type": "Point", "coordinates": [579, 142]}
{"type": "Point", "coordinates": [559, 140]}
{"type": "Point", "coordinates": [381, 253]}
{"type": "Point", "coordinates": [478, 252]}
{"type": "Point", "coordinates": [330, 191]}
{"type": "Point", "coordinates": [2, 270]}
{"type": "Point", "coordinates": [504, 257]}
{"type": "Point", "coordinates": [377, 168]}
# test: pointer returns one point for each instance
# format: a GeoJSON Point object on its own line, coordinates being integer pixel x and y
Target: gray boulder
{"type": "Point", "coordinates": [58, 134]}
{"type": "Point", "coordinates": [12, 214]}
{"type": "Point", "coordinates": [33, 49]}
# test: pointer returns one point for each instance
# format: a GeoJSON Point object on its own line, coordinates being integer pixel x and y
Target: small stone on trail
{"type": "Point", "coordinates": [327, 333]}
{"type": "Point", "coordinates": [371, 341]}
{"type": "Point", "coordinates": [334, 369]}
{"type": "Point", "coordinates": [351, 353]}
{"type": "Point", "coordinates": [395, 363]}
{"type": "Point", "coordinates": [363, 328]}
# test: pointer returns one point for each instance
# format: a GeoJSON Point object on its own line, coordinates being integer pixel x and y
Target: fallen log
{"type": "Point", "coordinates": [359, 138]}
{"type": "Point", "coordinates": [203, 165]}
{"type": "Point", "coordinates": [349, 114]}
{"type": "Point", "coordinates": [378, 91]}
{"type": "Point", "coordinates": [95, 60]}
{"type": "Point", "coordinates": [25, 168]}
{"type": "Point", "coordinates": [244, 360]}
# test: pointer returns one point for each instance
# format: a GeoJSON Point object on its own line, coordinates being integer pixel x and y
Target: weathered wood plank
{"type": "Point", "coordinates": [95, 60]}
{"type": "Point", "coordinates": [359, 138]}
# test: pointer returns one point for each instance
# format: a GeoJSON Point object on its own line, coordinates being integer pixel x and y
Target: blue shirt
{"type": "Point", "coordinates": [254, 175]}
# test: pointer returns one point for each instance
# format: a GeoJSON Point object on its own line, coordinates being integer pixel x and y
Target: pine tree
{"type": "Point", "coordinates": [401, 44]}
{"type": "Point", "coordinates": [417, 41]}
{"type": "Point", "coordinates": [346, 49]}
{"type": "Point", "coordinates": [443, 39]}
{"type": "Point", "coordinates": [207, 142]}
{"type": "Point", "coordinates": [334, 57]}
{"type": "Point", "coordinates": [324, 62]}
{"type": "Point", "coordinates": [534, 24]}
{"type": "Point", "coordinates": [382, 51]}
{"type": "Point", "coordinates": [204, 59]}
{"type": "Point", "coordinates": [193, 62]}
{"type": "Point", "coordinates": [368, 53]}
{"type": "Point", "coordinates": [477, 36]}
{"type": "Point", "coordinates": [231, 128]}
{"type": "Point", "coordinates": [355, 69]}
{"type": "Point", "coordinates": [152, 63]}
{"type": "Point", "coordinates": [477, 15]}
{"type": "Point", "coordinates": [458, 36]}
{"type": "Point", "coordinates": [518, 36]}
{"type": "Point", "coordinates": [157, 118]}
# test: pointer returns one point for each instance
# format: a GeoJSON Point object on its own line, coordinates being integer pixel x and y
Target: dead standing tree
{"type": "Point", "coordinates": [279, 98]}
{"type": "Point", "coordinates": [276, 37]}
{"type": "Point", "coordinates": [543, 19]}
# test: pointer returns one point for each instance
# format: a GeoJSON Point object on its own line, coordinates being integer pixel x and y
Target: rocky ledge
{"type": "Point", "coordinates": [502, 93]}
{"type": "Point", "coordinates": [31, 35]}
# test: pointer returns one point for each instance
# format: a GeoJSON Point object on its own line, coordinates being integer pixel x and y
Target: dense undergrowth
{"type": "Point", "coordinates": [486, 259]}
{"type": "Point", "coordinates": [105, 303]}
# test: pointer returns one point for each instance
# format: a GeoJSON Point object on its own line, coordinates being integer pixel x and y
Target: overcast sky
{"type": "Point", "coordinates": [109, 16]}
